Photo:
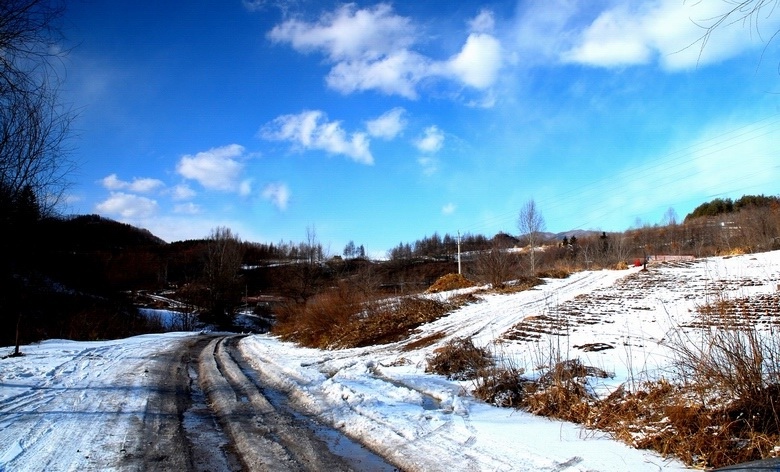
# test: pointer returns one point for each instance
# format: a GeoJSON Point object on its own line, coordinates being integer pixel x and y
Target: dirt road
{"type": "Point", "coordinates": [211, 412]}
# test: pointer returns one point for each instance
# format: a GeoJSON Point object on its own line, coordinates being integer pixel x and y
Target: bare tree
{"type": "Point", "coordinates": [221, 275]}
{"type": "Point", "coordinates": [670, 217]}
{"type": "Point", "coordinates": [33, 127]}
{"type": "Point", "coordinates": [531, 224]}
{"type": "Point", "coordinates": [495, 266]}
{"type": "Point", "coordinates": [33, 122]}
{"type": "Point", "coordinates": [307, 271]}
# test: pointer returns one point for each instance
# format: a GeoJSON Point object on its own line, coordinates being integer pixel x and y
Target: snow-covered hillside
{"type": "Point", "coordinates": [72, 406]}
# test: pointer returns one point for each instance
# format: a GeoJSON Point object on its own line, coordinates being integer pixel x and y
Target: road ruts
{"type": "Point", "coordinates": [178, 430]}
{"type": "Point", "coordinates": [263, 437]}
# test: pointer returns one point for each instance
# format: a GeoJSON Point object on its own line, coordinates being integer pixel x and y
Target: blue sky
{"type": "Point", "coordinates": [385, 122]}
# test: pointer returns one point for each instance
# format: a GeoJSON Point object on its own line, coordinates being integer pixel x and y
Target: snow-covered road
{"type": "Point", "coordinates": [172, 402]}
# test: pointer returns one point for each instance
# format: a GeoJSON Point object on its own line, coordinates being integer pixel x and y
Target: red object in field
{"type": "Point", "coordinates": [637, 263]}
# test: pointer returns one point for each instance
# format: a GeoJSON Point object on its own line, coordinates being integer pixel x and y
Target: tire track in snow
{"type": "Point", "coordinates": [74, 418]}
{"type": "Point", "coordinates": [445, 441]}
{"type": "Point", "coordinates": [264, 438]}
{"type": "Point", "coordinates": [178, 430]}
{"type": "Point", "coordinates": [486, 323]}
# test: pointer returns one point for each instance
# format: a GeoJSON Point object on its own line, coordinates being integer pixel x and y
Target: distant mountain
{"type": "Point", "coordinates": [578, 233]}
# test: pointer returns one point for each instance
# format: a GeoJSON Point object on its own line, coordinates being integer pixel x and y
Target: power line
{"type": "Point", "coordinates": [674, 167]}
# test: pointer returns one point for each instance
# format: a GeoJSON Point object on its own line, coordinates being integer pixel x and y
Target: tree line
{"type": "Point", "coordinates": [436, 246]}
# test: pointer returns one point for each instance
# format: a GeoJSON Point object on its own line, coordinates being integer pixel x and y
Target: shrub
{"type": "Point", "coordinates": [519, 285]}
{"type": "Point", "coordinates": [319, 321]}
{"type": "Point", "coordinates": [341, 318]}
{"type": "Point", "coordinates": [622, 265]}
{"type": "Point", "coordinates": [459, 359]}
{"type": "Point", "coordinates": [382, 323]}
{"type": "Point", "coordinates": [501, 386]}
{"type": "Point", "coordinates": [562, 391]}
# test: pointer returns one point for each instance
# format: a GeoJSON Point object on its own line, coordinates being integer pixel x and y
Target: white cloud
{"type": "Point", "coordinates": [478, 63]}
{"type": "Point", "coordinates": [278, 194]}
{"type": "Point", "coordinates": [245, 188]}
{"type": "Point", "coordinates": [448, 209]}
{"type": "Point", "coordinates": [127, 206]}
{"type": "Point", "coordinates": [112, 182]}
{"type": "Point", "coordinates": [146, 185]}
{"type": "Point", "coordinates": [394, 74]}
{"type": "Point", "coordinates": [182, 192]}
{"type": "Point", "coordinates": [431, 141]}
{"type": "Point", "coordinates": [254, 5]}
{"type": "Point", "coordinates": [310, 130]}
{"type": "Point", "coordinates": [216, 169]}
{"type": "Point", "coordinates": [483, 23]}
{"type": "Point", "coordinates": [372, 49]}
{"type": "Point", "coordinates": [669, 31]}
{"type": "Point", "coordinates": [542, 30]}
{"type": "Point", "coordinates": [615, 38]}
{"type": "Point", "coordinates": [388, 125]}
{"type": "Point", "coordinates": [429, 164]}
{"type": "Point", "coordinates": [349, 34]}
{"type": "Point", "coordinates": [188, 208]}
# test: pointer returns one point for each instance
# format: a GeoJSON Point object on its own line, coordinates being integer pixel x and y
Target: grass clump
{"type": "Point", "coordinates": [519, 285]}
{"type": "Point", "coordinates": [555, 273]}
{"type": "Point", "coordinates": [343, 318]}
{"type": "Point", "coordinates": [502, 386]}
{"type": "Point", "coordinates": [383, 323]}
{"type": "Point", "coordinates": [459, 359]}
{"type": "Point", "coordinates": [562, 391]}
{"type": "Point", "coordinates": [449, 282]}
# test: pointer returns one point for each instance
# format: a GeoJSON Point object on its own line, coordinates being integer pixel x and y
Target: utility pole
{"type": "Point", "coordinates": [459, 273]}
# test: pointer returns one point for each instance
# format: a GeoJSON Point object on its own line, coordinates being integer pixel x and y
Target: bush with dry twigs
{"type": "Point", "coordinates": [343, 318]}
{"type": "Point", "coordinates": [459, 359]}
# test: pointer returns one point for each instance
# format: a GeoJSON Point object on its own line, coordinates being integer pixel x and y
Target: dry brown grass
{"type": "Point", "coordinates": [459, 359]}
{"type": "Point", "coordinates": [319, 321]}
{"type": "Point", "coordinates": [450, 282]}
{"type": "Point", "coordinates": [562, 391]}
{"type": "Point", "coordinates": [558, 272]}
{"type": "Point", "coordinates": [425, 341]}
{"type": "Point", "coordinates": [622, 265]}
{"type": "Point", "coordinates": [721, 407]}
{"type": "Point", "coordinates": [663, 417]}
{"type": "Point", "coordinates": [342, 318]}
{"type": "Point", "coordinates": [730, 377]}
{"type": "Point", "coordinates": [390, 322]}
{"type": "Point", "coordinates": [520, 285]}
{"type": "Point", "coordinates": [501, 386]}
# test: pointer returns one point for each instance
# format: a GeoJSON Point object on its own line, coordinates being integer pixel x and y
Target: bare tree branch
{"type": "Point", "coordinates": [748, 12]}
{"type": "Point", "coordinates": [33, 123]}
